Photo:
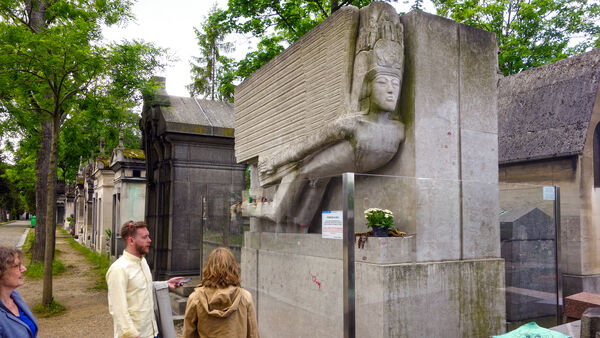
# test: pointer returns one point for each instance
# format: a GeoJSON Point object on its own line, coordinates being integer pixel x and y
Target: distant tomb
{"type": "Point", "coordinates": [528, 246]}
{"type": "Point", "coordinates": [193, 179]}
{"type": "Point", "coordinates": [129, 192]}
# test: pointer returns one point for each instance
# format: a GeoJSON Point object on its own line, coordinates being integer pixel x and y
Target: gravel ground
{"type": "Point", "coordinates": [86, 312]}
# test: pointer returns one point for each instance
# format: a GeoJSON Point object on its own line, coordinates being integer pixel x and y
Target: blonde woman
{"type": "Point", "coordinates": [219, 307]}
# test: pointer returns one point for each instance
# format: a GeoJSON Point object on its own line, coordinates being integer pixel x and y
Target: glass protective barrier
{"type": "Point", "coordinates": [529, 241]}
{"type": "Point", "coordinates": [462, 259]}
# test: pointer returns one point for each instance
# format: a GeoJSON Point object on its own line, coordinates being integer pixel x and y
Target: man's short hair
{"type": "Point", "coordinates": [129, 228]}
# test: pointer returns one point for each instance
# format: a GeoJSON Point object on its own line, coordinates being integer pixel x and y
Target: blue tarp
{"type": "Point", "coordinates": [532, 330]}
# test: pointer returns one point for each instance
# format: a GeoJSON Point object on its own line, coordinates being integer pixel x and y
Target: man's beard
{"type": "Point", "coordinates": [141, 249]}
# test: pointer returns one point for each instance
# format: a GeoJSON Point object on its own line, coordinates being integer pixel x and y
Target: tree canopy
{"type": "Point", "coordinates": [275, 24]}
{"type": "Point", "coordinates": [56, 73]}
{"type": "Point", "coordinates": [529, 33]}
{"type": "Point", "coordinates": [209, 69]}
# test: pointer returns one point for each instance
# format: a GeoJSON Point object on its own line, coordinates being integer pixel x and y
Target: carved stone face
{"type": "Point", "coordinates": [384, 93]}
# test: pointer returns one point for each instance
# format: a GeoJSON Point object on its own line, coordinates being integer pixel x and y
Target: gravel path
{"type": "Point", "coordinates": [86, 312]}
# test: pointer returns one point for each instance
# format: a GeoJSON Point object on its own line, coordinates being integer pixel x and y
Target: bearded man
{"type": "Point", "coordinates": [130, 296]}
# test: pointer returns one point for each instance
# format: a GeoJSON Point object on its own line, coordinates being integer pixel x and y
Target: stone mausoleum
{"type": "Point", "coordinates": [193, 179]}
{"type": "Point", "coordinates": [128, 193]}
{"type": "Point", "coordinates": [549, 134]}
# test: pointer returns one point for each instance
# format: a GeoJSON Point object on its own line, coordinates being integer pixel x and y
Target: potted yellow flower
{"type": "Point", "coordinates": [381, 221]}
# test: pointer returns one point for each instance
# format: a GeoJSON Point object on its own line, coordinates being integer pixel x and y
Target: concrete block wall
{"type": "Point", "coordinates": [299, 276]}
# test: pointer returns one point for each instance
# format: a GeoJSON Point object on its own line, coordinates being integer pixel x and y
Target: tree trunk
{"type": "Point", "coordinates": [50, 224]}
{"type": "Point", "coordinates": [41, 167]}
{"type": "Point", "coordinates": [37, 23]}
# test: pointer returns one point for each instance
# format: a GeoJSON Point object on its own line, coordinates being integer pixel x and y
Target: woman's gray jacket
{"type": "Point", "coordinates": [10, 325]}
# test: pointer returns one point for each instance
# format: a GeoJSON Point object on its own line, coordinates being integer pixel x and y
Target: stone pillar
{"type": "Point", "coordinates": [449, 106]}
{"type": "Point", "coordinates": [590, 323]}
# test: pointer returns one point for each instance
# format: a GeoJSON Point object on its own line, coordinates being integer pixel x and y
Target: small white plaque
{"type": "Point", "coordinates": [332, 224]}
{"type": "Point", "coordinates": [549, 194]}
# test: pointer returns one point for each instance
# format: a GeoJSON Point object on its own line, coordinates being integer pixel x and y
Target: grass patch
{"type": "Point", "coordinates": [36, 269]}
{"type": "Point", "coordinates": [54, 309]}
{"type": "Point", "coordinates": [7, 222]}
{"type": "Point", "coordinates": [101, 262]}
{"type": "Point", "coordinates": [28, 244]}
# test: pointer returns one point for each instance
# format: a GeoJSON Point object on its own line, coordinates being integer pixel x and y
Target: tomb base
{"type": "Point", "coordinates": [297, 284]}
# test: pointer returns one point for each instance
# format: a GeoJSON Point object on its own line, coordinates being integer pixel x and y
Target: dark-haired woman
{"type": "Point", "coordinates": [219, 307]}
{"type": "Point", "coordinates": [16, 320]}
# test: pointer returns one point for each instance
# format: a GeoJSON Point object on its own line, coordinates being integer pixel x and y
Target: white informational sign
{"type": "Point", "coordinates": [332, 224]}
{"type": "Point", "coordinates": [549, 194]}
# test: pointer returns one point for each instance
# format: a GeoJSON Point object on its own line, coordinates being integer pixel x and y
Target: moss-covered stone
{"type": "Point", "coordinates": [134, 153]}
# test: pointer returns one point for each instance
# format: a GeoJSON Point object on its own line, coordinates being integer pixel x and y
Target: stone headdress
{"type": "Point", "coordinates": [379, 49]}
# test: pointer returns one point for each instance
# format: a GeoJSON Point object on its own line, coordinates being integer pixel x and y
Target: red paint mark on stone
{"type": "Point", "coordinates": [314, 279]}
{"type": "Point", "coordinates": [449, 133]}
{"type": "Point", "coordinates": [364, 258]}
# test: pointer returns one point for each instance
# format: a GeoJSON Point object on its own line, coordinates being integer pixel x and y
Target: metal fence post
{"type": "Point", "coordinates": [348, 238]}
{"type": "Point", "coordinates": [559, 281]}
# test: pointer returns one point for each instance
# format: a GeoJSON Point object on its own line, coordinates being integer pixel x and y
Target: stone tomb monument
{"type": "Point", "coordinates": [192, 179]}
{"type": "Point", "coordinates": [367, 91]}
{"type": "Point", "coordinates": [528, 242]}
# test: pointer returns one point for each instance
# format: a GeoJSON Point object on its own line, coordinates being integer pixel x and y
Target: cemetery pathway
{"type": "Point", "coordinates": [86, 312]}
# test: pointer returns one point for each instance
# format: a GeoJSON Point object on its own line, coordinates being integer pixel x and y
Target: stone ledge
{"type": "Point", "coordinates": [377, 250]}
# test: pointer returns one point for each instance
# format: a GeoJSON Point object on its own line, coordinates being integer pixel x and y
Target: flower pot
{"type": "Point", "coordinates": [380, 231]}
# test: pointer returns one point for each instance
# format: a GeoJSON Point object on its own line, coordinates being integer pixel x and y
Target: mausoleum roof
{"type": "Point", "coordinates": [197, 113]}
{"type": "Point", "coordinates": [131, 153]}
{"type": "Point", "coordinates": [545, 112]}
{"type": "Point", "coordinates": [127, 157]}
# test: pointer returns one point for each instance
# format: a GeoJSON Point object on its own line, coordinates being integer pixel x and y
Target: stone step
{"type": "Point", "coordinates": [178, 304]}
{"type": "Point", "coordinates": [188, 288]}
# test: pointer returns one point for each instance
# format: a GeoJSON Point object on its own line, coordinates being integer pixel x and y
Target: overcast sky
{"type": "Point", "coordinates": [170, 24]}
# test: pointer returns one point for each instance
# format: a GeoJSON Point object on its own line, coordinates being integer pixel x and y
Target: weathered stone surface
{"type": "Point", "coordinates": [590, 323]}
{"type": "Point", "coordinates": [439, 201]}
{"type": "Point", "coordinates": [526, 224]}
{"type": "Point", "coordinates": [438, 220]}
{"type": "Point", "coordinates": [193, 180]}
{"type": "Point", "coordinates": [529, 248]}
{"type": "Point", "coordinates": [576, 304]}
{"type": "Point", "coordinates": [387, 250]}
{"type": "Point", "coordinates": [480, 232]}
{"type": "Point", "coordinates": [363, 138]}
{"type": "Point", "coordinates": [478, 83]}
{"type": "Point", "coordinates": [300, 276]}
{"type": "Point", "coordinates": [545, 112]}
{"type": "Point", "coordinates": [129, 193]}
{"type": "Point", "coordinates": [307, 83]}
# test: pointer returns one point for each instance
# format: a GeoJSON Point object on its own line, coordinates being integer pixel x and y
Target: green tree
{"type": "Point", "coordinates": [22, 175]}
{"type": "Point", "coordinates": [276, 24]}
{"type": "Point", "coordinates": [209, 68]}
{"type": "Point", "coordinates": [10, 202]}
{"type": "Point", "coordinates": [53, 66]}
{"type": "Point", "coordinates": [530, 33]}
